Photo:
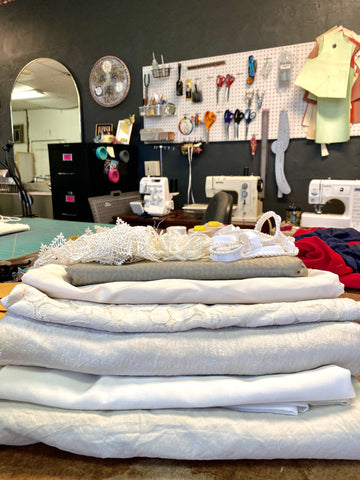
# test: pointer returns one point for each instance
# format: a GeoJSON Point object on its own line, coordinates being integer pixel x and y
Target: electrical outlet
{"type": "Point", "coordinates": [152, 168]}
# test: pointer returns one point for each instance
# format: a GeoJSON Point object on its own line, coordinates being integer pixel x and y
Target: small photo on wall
{"type": "Point", "coordinates": [103, 129]}
{"type": "Point", "coordinates": [18, 133]}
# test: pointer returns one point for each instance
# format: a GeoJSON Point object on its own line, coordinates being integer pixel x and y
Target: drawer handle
{"type": "Point", "coordinates": [66, 173]}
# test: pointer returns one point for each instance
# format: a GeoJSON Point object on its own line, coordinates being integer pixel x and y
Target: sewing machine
{"type": "Point", "coordinates": [157, 199]}
{"type": "Point", "coordinates": [323, 191]}
{"type": "Point", "coordinates": [248, 206]}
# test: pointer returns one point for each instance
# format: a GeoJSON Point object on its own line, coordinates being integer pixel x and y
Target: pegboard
{"type": "Point", "coordinates": [275, 99]}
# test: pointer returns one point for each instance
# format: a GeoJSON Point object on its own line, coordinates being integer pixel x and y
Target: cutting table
{"type": "Point", "coordinates": [42, 230]}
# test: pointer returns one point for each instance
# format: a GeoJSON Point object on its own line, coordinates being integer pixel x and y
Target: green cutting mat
{"type": "Point", "coordinates": [42, 230]}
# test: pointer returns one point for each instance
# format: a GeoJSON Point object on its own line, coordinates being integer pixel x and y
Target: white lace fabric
{"type": "Point", "coordinates": [126, 244]}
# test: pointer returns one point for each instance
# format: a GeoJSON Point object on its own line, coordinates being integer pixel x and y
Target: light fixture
{"type": "Point", "coordinates": [3, 2]}
{"type": "Point", "coordinates": [26, 94]}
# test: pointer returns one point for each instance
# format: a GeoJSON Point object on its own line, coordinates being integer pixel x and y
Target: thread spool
{"type": "Point", "coordinates": [209, 228]}
{"type": "Point", "coordinates": [176, 228]}
{"type": "Point", "coordinates": [101, 153]}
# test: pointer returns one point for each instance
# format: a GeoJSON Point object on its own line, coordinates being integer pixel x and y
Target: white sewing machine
{"type": "Point", "coordinates": [248, 206]}
{"type": "Point", "coordinates": [321, 192]}
{"type": "Point", "coordinates": [157, 199]}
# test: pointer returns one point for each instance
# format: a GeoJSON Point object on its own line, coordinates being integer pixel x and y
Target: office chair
{"type": "Point", "coordinates": [219, 208]}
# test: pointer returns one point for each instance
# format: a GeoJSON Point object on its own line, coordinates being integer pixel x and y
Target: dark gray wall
{"type": "Point", "coordinates": [79, 32]}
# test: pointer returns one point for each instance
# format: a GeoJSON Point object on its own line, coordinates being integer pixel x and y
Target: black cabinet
{"type": "Point", "coordinates": [82, 170]}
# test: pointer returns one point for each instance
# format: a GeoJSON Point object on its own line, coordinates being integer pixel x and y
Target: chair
{"type": "Point", "coordinates": [105, 207]}
{"type": "Point", "coordinates": [219, 208]}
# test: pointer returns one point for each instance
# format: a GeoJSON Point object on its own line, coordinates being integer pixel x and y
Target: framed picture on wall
{"type": "Point", "coordinates": [103, 128]}
{"type": "Point", "coordinates": [18, 133]}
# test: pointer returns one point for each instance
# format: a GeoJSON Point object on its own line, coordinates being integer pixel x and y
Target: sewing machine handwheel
{"type": "Point", "coordinates": [260, 185]}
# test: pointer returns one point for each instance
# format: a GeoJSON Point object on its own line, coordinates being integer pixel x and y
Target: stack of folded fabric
{"type": "Point", "coordinates": [254, 358]}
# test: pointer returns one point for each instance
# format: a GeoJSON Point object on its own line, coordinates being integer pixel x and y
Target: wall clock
{"type": "Point", "coordinates": [109, 81]}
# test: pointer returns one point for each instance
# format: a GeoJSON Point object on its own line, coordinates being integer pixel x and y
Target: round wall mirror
{"type": "Point", "coordinates": [45, 108]}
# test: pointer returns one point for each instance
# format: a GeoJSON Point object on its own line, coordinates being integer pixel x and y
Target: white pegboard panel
{"type": "Point", "coordinates": [236, 64]}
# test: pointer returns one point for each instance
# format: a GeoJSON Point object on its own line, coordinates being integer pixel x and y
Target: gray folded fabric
{"type": "Point", "coordinates": [281, 266]}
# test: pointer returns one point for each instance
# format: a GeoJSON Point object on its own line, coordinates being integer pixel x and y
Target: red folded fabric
{"type": "Point", "coordinates": [352, 280]}
{"type": "Point", "coordinates": [315, 253]}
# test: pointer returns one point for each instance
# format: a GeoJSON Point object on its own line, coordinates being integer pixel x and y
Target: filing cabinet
{"type": "Point", "coordinates": [80, 170]}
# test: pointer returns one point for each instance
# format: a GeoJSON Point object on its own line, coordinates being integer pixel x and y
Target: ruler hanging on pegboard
{"type": "Point", "coordinates": [264, 151]}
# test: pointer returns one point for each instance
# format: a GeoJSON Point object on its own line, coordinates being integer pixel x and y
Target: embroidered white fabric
{"type": "Point", "coordinates": [232, 243]}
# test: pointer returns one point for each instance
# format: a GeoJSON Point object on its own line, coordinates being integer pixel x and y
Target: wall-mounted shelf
{"type": "Point", "coordinates": [158, 110]}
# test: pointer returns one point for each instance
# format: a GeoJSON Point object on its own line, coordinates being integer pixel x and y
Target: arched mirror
{"type": "Point", "coordinates": [45, 108]}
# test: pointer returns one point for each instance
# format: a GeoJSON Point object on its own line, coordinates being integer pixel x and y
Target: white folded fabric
{"type": "Point", "coordinates": [324, 432]}
{"type": "Point", "coordinates": [228, 351]}
{"type": "Point", "coordinates": [32, 303]}
{"type": "Point", "coordinates": [55, 282]}
{"type": "Point", "coordinates": [79, 391]}
{"type": "Point", "coordinates": [293, 408]}
{"type": "Point", "coordinates": [6, 228]}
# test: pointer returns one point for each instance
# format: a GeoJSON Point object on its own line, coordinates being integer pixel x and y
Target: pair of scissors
{"type": "Point", "coordinates": [229, 80]}
{"type": "Point", "coordinates": [209, 119]}
{"type": "Point", "coordinates": [220, 80]}
{"type": "Point", "coordinates": [228, 116]}
{"type": "Point", "coordinates": [249, 116]}
{"type": "Point", "coordinates": [238, 116]}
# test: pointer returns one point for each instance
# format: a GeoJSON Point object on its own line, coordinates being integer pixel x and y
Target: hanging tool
{"type": "Point", "coordinates": [196, 94]}
{"type": "Point", "coordinates": [266, 69]}
{"type": "Point", "coordinates": [229, 80]}
{"type": "Point", "coordinates": [186, 125]}
{"type": "Point", "coordinates": [220, 80]}
{"type": "Point", "coordinates": [249, 116]}
{"type": "Point", "coordinates": [279, 147]}
{"type": "Point", "coordinates": [209, 119]}
{"type": "Point", "coordinates": [188, 89]}
{"type": "Point", "coordinates": [146, 85]}
{"type": "Point", "coordinates": [196, 119]}
{"type": "Point", "coordinates": [249, 95]}
{"type": "Point", "coordinates": [259, 99]}
{"type": "Point", "coordinates": [205, 65]}
{"type": "Point", "coordinates": [155, 66]}
{"type": "Point", "coordinates": [179, 83]}
{"type": "Point", "coordinates": [190, 194]}
{"type": "Point", "coordinates": [253, 145]}
{"type": "Point", "coordinates": [264, 146]}
{"type": "Point", "coordinates": [238, 116]}
{"type": "Point", "coordinates": [252, 64]}
{"type": "Point", "coordinates": [228, 116]}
